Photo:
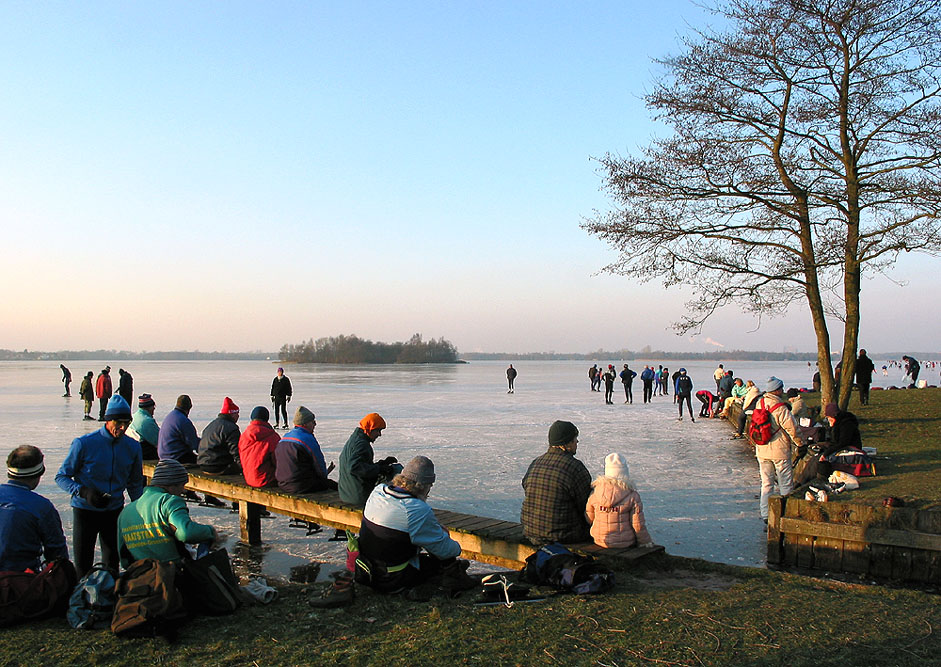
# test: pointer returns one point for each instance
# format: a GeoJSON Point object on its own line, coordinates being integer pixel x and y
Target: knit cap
{"type": "Point", "coordinates": [420, 470]}
{"type": "Point", "coordinates": [229, 407]}
{"type": "Point", "coordinates": [372, 422]}
{"type": "Point", "coordinates": [302, 416]}
{"type": "Point", "coordinates": [145, 401]}
{"type": "Point", "coordinates": [118, 409]}
{"type": "Point", "coordinates": [260, 413]}
{"type": "Point", "coordinates": [831, 410]}
{"type": "Point", "coordinates": [774, 384]}
{"type": "Point", "coordinates": [615, 466]}
{"type": "Point", "coordinates": [169, 473]}
{"type": "Point", "coordinates": [561, 433]}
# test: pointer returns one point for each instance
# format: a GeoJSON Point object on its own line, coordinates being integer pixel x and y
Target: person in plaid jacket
{"type": "Point", "coordinates": [557, 486]}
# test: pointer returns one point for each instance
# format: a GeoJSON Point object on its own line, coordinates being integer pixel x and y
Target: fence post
{"type": "Point", "coordinates": [250, 522]}
{"type": "Point", "coordinates": [775, 512]}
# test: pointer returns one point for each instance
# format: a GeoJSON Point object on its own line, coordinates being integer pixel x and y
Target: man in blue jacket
{"type": "Point", "coordinates": [99, 467]}
{"type": "Point", "coordinates": [30, 527]}
{"type": "Point", "coordinates": [299, 464]}
{"type": "Point", "coordinates": [178, 440]}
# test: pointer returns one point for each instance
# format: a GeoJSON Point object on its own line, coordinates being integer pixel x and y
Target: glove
{"type": "Point", "coordinates": [389, 460]}
{"type": "Point", "coordinates": [289, 399]}
{"type": "Point", "coordinates": [272, 399]}
{"type": "Point", "coordinates": [94, 497]}
{"type": "Point", "coordinates": [385, 469]}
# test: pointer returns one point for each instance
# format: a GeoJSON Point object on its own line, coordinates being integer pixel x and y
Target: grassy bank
{"type": "Point", "coordinates": [673, 611]}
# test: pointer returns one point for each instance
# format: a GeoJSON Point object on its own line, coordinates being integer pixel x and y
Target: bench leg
{"type": "Point", "coordinates": [250, 522]}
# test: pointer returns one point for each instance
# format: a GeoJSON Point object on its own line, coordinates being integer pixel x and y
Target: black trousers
{"type": "Point", "coordinates": [628, 394]}
{"type": "Point", "coordinates": [102, 406]}
{"type": "Point", "coordinates": [689, 406]}
{"type": "Point", "coordinates": [863, 394]}
{"type": "Point", "coordinates": [648, 390]}
{"type": "Point", "coordinates": [90, 527]}
{"type": "Point", "coordinates": [281, 404]}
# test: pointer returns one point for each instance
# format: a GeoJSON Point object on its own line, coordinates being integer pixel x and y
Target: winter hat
{"type": "Point", "coordinates": [302, 416]}
{"type": "Point", "coordinates": [562, 433]}
{"type": "Point", "coordinates": [169, 473]}
{"type": "Point", "coordinates": [372, 422]}
{"type": "Point", "coordinates": [831, 410]}
{"type": "Point", "coordinates": [615, 466]}
{"type": "Point", "coordinates": [24, 462]}
{"type": "Point", "coordinates": [145, 401]}
{"type": "Point", "coordinates": [229, 407]}
{"type": "Point", "coordinates": [774, 384]}
{"type": "Point", "coordinates": [280, 370]}
{"type": "Point", "coordinates": [260, 413]}
{"type": "Point", "coordinates": [118, 409]}
{"type": "Point", "coordinates": [682, 371]}
{"type": "Point", "coordinates": [420, 470]}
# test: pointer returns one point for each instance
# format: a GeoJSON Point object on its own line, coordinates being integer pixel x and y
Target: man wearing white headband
{"type": "Point", "coordinates": [30, 527]}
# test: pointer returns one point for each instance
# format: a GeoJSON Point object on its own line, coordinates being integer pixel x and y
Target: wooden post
{"type": "Point", "coordinates": [250, 522]}
{"type": "Point", "coordinates": [775, 512]}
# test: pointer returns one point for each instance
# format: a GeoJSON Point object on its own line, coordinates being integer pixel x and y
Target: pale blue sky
{"type": "Point", "coordinates": [240, 175]}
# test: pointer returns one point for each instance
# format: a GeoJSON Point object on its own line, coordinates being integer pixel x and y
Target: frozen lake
{"type": "Point", "coordinates": [698, 487]}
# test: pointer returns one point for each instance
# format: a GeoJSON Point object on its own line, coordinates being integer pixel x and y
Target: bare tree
{"type": "Point", "coordinates": [805, 148]}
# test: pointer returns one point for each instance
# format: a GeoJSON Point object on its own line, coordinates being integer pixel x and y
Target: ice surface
{"type": "Point", "coordinates": [698, 487]}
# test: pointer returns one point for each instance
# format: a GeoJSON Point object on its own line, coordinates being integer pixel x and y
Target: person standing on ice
{"type": "Point", "coordinates": [87, 393]}
{"type": "Point", "coordinates": [627, 379]}
{"type": "Point", "coordinates": [66, 380]}
{"type": "Point", "coordinates": [281, 393]}
{"type": "Point", "coordinates": [510, 378]}
{"type": "Point", "coordinates": [684, 390]}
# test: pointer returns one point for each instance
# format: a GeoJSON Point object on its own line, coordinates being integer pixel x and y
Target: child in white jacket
{"type": "Point", "coordinates": [614, 509]}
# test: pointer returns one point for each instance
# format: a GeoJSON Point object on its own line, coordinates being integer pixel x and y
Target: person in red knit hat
{"type": "Point", "coordinates": [218, 452]}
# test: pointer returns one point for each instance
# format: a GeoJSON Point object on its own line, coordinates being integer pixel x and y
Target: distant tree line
{"type": "Point", "coordinates": [354, 350]}
{"type": "Point", "coordinates": [646, 353]}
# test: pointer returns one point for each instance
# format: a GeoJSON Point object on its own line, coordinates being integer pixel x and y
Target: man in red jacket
{"type": "Point", "coordinates": [103, 391]}
{"type": "Point", "coordinates": [256, 450]}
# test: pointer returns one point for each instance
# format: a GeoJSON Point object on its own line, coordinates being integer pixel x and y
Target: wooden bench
{"type": "Point", "coordinates": [482, 539]}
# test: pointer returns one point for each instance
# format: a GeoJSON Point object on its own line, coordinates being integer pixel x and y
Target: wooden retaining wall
{"type": "Point", "coordinates": [897, 543]}
{"type": "Point", "coordinates": [482, 539]}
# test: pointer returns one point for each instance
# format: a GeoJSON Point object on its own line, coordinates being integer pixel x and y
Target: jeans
{"type": "Point", "coordinates": [769, 469]}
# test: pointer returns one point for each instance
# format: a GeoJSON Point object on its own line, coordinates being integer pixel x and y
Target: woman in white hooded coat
{"type": "Point", "coordinates": [614, 509]}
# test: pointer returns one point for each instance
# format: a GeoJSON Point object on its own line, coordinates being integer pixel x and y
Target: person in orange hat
{"type": "Point", "coordinates": [359, 473]}
{"type": "Point", "coordinates": [218, 452]}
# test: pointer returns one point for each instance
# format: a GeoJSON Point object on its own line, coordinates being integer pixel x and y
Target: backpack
{"type": "Point", "coordinates": [92, 601]}
{"type": "Point", "coordinates": [555, 565]}
{"type": "Point", "coordinates": [26, 596]}
{"type": "Point", "coordinates": [208, 585]}
{"type": "Point", "coordinates": [761, 429]}
{"type": "Point", "coordinates": [148, 603]}
{"type": "Point", "coordinates": [856, 462]}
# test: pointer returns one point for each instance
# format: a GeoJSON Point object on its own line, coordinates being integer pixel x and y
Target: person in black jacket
{"type": "Point", "coordinates": [280, 396]}
{"type": "Point", "coordinates": [684, 389]}
{"type": "Point", "coordinates": [864, 371]}
{"type": "Point", "coordinates": [842, 434]}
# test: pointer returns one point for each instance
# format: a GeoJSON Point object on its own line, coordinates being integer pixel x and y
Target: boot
{"type": "Point", "coordinates": [339, 594]}
{"type": "Point", "coordinates": [454, 577]}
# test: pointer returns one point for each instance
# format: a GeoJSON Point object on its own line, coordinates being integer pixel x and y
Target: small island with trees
{"type": "Point", "coordinates": [354, 350]}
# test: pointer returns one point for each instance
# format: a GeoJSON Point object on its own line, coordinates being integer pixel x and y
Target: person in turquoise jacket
{"type": "Point", "coordinates": [98, 469]}
{"type": "Point", "coordinates": [154, 525]}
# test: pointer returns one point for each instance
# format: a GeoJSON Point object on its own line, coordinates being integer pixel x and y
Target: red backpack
{"type": "Point", "coordinates": [761, 429]}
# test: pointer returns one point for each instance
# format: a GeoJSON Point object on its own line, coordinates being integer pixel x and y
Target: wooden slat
{"type": "Point", "coordinates": [775, 550]}
{"type": "Point", "coordinates": [875, 536]}
{"type": "Point", "coordinates": [828, 551]}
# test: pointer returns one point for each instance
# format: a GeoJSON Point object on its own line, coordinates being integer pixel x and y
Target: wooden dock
{"type": "Point", "coordinates": [482, 539]}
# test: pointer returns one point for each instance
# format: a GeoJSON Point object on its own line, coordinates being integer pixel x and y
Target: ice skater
{"type": "Point", "coordinates": [510, 378]}
{"type": "Point", "coordinates": [66, 380]}
{"type": "Point", "coordinates": [683, 390]}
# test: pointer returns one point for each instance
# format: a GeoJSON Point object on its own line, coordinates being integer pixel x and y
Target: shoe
{"type": "Point", "coordinates": [809, 496]}
{"type": "Point", "coordinates": [88, 418]}
{"type": "Point", "coordinates": [421, 593]}
{"type": "Point", "coordinates": [191, 495]}
{"type": "Point", "coordinates": [339, 594]}
{"type": "Point", "coordinates": [212, 501]}
{"type": "Point", "coordinates": [692, 420]}
{"type": "Point", "coordinates": [454, 578]}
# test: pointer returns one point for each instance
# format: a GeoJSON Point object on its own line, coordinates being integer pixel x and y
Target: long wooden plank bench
{"type": "Point", "coordinates": [482, 539]}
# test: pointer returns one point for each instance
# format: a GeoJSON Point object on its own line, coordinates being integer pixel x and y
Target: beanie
{"type": "Point", "coordinates": [302, 416]}
{"type": "Point", "coordinates": [229, 407]}
{"type": "Point", "coordinates": [145, 401]}
{"type": "Point", "coordinates": [372, 422]}
{"type": "Point", "coordinates": [261, 413]}
{"type": "Point", "coordinates": [169, 473]}
{"type": "Point", "coordinates": [562, 433]}
{"type": "Point", "coordinates": [420, 470]}
{"type": "Point", "coordinates": [831, 410]}
{"type": "Point", "coordinates": [118, 409]}
{"type": "Point", "coordinates": [774, 384]}
{"type": "Point", "coordinates": [615, 466]}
